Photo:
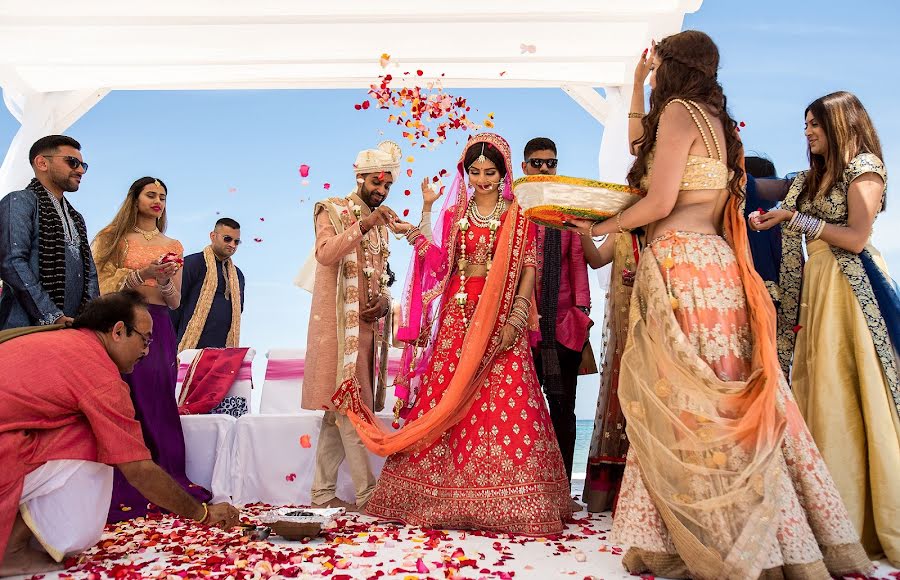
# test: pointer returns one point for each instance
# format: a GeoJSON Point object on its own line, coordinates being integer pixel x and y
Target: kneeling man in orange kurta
{"type": "Point", "coordinates": [66, 419]}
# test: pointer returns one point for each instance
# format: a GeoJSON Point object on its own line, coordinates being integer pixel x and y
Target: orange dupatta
{"type": "Point", "coordinates": [502, 281]}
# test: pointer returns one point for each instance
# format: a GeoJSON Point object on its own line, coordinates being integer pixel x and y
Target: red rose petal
{"type": "Point", "coordinates": [796, 328]}
{"type": "Point", "coordinates": [405, 212]}
{"type": "Point", "coordinates": [365, 104]}
{"type": "Point", "coordinates": [419, 72]}
{"type": "Point", "coordinates": [407, 192]}
{"type": "Point", "coordinates": [409, 172]}
{"type": "Point", "coordinates": [304, 170]}
{"type": "Point", "coordinates": [305, 442]}
{"type": "Point", "coordinates": [326, 185]}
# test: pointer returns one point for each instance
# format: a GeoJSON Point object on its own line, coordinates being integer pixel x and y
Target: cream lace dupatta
{"type": "Point", "coordinates": [708, 449]}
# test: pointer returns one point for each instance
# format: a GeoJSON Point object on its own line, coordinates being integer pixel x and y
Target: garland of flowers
{"type": "Point", "coordinates": [370, 249]}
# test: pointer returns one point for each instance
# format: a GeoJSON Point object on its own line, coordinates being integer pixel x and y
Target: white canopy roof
{"type": "Point", "coordinates": [58, 58]}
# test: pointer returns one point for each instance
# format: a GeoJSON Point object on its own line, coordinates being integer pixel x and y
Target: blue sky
{"type": "Point", "coordinates": [238, 152]}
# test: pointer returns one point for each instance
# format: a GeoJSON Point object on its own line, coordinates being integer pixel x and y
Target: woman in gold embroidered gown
{"type": "Point", "coordinates": [723, 480]}
{"type": "Point", "coordinates": [128, 252]}
{"type": "Point", "coordinates": [839, 315]}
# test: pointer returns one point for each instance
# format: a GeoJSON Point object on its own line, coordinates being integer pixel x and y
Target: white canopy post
{"type": "Point", "coordinates": [615, 159]}
{"type": "Point", "coordinates": [40, 114]}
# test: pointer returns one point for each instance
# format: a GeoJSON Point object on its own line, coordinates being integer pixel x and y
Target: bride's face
{"type": "Point", "coordinates": [484, 176]}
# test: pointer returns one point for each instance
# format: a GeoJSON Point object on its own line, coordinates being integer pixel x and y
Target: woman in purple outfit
{"type": "Point", "coordinates": [133, 252]}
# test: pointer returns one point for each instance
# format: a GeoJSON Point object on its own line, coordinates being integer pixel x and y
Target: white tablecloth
{"type": "Point", "coordinates": [267, 463]}
{"type": "Point", "coordinates": [206, 441]}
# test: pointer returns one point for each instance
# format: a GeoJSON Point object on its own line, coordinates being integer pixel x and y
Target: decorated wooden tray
{"type": "Point", "coordinates": [548, 200]}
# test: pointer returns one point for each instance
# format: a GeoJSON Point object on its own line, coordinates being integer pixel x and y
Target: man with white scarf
{"type": "Point", "coordinates": [348, 327]}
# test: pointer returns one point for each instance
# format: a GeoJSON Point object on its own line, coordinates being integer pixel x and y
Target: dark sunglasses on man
{"type": "Point", "coordinates": [72, 162]}
{"type": "Point", "coordinates": [536, 163]}
{"type": "Point", "coordinates": [229, 239]}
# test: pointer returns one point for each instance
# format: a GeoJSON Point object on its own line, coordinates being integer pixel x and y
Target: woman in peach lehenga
{"type": "Point", "coordinates": [723, 479]}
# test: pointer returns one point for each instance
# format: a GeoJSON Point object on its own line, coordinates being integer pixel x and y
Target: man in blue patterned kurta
{"type": "Point", "coordinates": [45, 260]}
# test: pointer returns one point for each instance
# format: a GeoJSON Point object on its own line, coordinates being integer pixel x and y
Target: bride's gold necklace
{"type": "Point", "coordinates": [148, 235]}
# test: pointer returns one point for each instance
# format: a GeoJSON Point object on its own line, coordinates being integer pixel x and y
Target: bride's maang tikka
{"type": "Point", "coordinates": [481, 158]}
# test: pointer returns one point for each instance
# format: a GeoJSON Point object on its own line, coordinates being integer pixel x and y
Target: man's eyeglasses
{"type": "Point", "coordinates": [73, 162]}
{"type": "Point", "coordinates": [536, 163]}
{"type": "Point", "coordinates": [229, 239]}
{"type": "Point", "coordinates": [148, 340]}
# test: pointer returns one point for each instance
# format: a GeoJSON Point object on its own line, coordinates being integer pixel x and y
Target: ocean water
{"type": "Point", "coordinates": [582, 445]}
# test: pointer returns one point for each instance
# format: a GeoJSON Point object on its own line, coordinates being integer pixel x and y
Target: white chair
{"type": "Point", "coordinates": [207, 437]}
{"type": "Point", "coordinates": [284, 381]}
{"type": "Point", "coordinates": [206, 442]}
{"type": "Point", "coordinates": [185, 358]}
{"type": "Point", "coordinates": [242, 386]}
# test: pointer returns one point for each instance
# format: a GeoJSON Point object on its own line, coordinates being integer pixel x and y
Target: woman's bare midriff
{"type": "Point", "coordinates": [694, 211]}
{"type": "Point", "coordinates": [152, 295]}
{"type": "Point", "coordinates": [476, 271]}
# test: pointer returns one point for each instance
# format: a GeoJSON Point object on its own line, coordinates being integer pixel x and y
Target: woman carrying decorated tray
{"type": "Point", "coordinates": [723, 479]}
{"type": "Point", "coordinates": [839, 315]}
{"type": "Point", "coordinates": [477, 450]}
{"type": "Point", "coordinates": [133, 252]}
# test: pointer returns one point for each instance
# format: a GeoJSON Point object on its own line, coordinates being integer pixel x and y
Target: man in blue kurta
{"type": "Point", "coordinates": [212, 293]}
{"type": "Point", "coordinates": [45, 259]}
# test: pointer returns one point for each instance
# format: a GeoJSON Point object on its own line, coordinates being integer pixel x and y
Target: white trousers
{"type": "Point", "coordinates": [338, 440]}
{"type": "Point", "coordinates": [65, 504]}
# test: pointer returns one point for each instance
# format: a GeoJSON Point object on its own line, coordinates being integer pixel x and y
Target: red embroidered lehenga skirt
{"type": "Point", "coordinates": [498, 469]}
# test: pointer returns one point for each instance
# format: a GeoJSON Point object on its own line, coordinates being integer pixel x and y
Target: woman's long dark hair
{"type": "Point", "coordinates": [848, 131]}
{"type": "Point", "coordinates": [688, 67]}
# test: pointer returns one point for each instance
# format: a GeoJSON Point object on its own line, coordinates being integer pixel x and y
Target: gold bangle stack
{"type": "Point", "coordinates": [168, 289]}
{"type": "Point", "coordinates": [412, 235]}
{"type": "Point", "coordinates": [619, 224]}
{"type": "Point", "coordinates": [134, 280]}
{"type": "Point", "coordinates": [636, 115]}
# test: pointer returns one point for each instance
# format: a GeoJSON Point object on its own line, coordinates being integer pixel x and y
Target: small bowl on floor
{"type": "Point", "coordinates": [295, 530]}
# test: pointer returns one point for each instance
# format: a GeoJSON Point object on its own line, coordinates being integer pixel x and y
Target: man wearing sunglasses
{"type": "Point", "coordinates": [66, 421]}
{"type": "Point", "coordinates": [212, 293]}
{"type": "Point", "coordinates": [45, 258]}
{"type": "Point", "coordinates": [564, 304]}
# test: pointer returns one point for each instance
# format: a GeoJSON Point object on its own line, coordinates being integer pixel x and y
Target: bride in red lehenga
{"type": "Point", "coordinates": [478, 449]}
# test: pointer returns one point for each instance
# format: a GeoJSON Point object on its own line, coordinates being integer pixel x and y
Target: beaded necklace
{"type": "Point", "coordinates": [475, 218]}
{"type": "Point", "coordinates": [369, 249]}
